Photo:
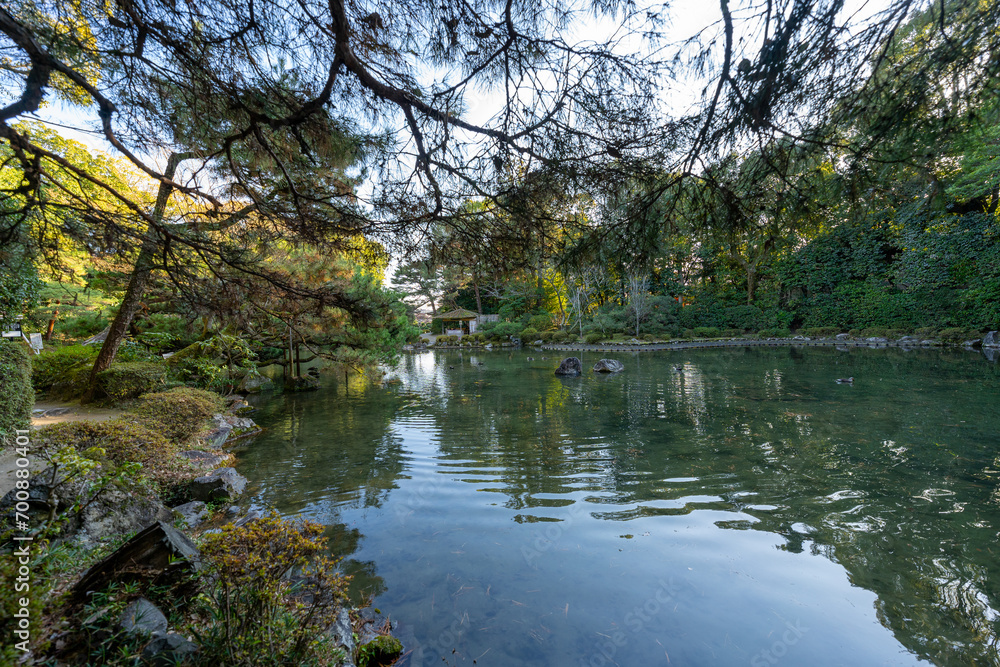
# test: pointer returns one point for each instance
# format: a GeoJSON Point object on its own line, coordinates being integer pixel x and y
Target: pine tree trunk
{"type": "Point", "coordinates": [136, 285]}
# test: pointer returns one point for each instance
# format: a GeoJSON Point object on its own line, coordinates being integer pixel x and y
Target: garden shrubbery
{"type": "Point", "coordinates": [178, 413]}
{"type": "Point", "coordinates": [130, 380]}
{"type": "Point", "coordinates": [16, 395]}
{"type": "Point", "coordinates": [63, 370]}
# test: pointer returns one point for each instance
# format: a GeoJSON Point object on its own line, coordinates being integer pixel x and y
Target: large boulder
{"type": "Point", "coordinates": [142, 617]}
{"type": "Point", "coordinates": [222, 484]}
{"type": "Point", "coordinates": [204, 460]}
{"type": "Point", "coordinates": [103, 511]}
{"type": "Point", "coordinates": [342, 634]}
{"type": "Point", "coordinates": [253, 383]}
{"type": "Point", "coordinates": [191, 514]}
{"type": "Point", "coordinates": [570, 366]}
{"type": "Point", "coordinates": [992, 339]}
{"type": "Point", "coordinates": [609, 366]}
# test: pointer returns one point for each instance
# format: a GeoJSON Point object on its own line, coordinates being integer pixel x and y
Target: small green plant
{"type": "Point", "coordinates": [594, 337]}
{"type": "Point", "coordinates": [529, 334]}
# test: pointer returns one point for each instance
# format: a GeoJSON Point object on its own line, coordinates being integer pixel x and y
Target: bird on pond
{"type": "Point", "coordinates": [849, 380]}
{"type": "Point", "coordinates": [450, 366]}
{"type": "Point", "coordinates": [531, 358]}
{"type": "Point", "coordinates": [679, 369]}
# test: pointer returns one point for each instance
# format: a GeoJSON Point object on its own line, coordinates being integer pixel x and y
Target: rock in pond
{"type": "Point", "coordinates": [221, 484]}
{"type": "Point", "coordinates": [570, 366]}
{"type": "Point", "coordinates": [253, 383]}
{"type": "Point", "coordinates": [992, 339]}
{"type": "Point", "coordinates": [342, 634]}
{"type": "Point", "coordinates": [609, 366]}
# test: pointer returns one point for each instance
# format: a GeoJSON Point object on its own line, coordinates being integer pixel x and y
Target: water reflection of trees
{"type": "Point", "coordinates": [876, 476]}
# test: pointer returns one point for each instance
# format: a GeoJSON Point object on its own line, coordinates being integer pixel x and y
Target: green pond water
{"type": "Point", "coordinates": [746, 511]}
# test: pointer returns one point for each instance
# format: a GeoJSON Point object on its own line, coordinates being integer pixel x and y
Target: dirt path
{"type": "Point", "coordinates": [46, 413]}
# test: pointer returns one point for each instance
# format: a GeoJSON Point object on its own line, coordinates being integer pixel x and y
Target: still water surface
{"type": "Point", "coordinates": [745, 511]}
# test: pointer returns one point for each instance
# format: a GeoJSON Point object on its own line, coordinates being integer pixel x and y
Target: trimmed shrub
{"type": "Point", "coordinates": [117, 441]}
{"type": "Point", "coordinates": [178, 413]}
{"type": "Point", "coordinates": [705, 332]}
{"type": "Point", "coordinates": [959, 334]}
{"type": "Point", "coordinates": [505, 329]}
{"type": "Point", "coordinates": [529, 334]}
{"type": "Point", "coordinates": [16, 395]}
{"type": "Point", "coordinates": [124, 381]}
{"type": "Point", "coordinates": [594, 337]}
{"type": "Point", "coordinates": [540, 322]}
{"type": "Point", "coordinates": [66, 366]}
{"type": "Point", "coordinates": [731, 333]}
{"type": "Point", "coordinates": [559, 336]}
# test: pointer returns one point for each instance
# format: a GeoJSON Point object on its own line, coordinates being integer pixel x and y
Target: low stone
{"type": "Point", "coordinates": [342, 634]}
{"type": "Point", "coordinates": [843, 336]}
{"type": "Point", "coordinates": [909, 340]}
{"type": "Point", "coordinates": [992, 339]}
{"type": "Point", "coordinates": [205, 460]}
{"type": "Point", "coordinates": [254, 383]}
{"type": "Point", "coordinates": [301, 383]}
{"type": "Point", "coordinates": [158, 555]}
{"type": "Point", "coordinates": [191, 514]}
{"type": "Point", "coordinates": [169, 649]}
{"type": "Point", "coordinates": [249, 517]}
{"type": "Point", "coordinates": [973, 344]}
{"type": "Point", "coordinates": [222, 484]}
{"type": "Point", "coordinates": [570, 366]}
{"type": "Point", "coordinates": [142, 617]}
{"type": "Point", "coordinates": [217, 437]}
{"type": "Point", "coordinates": [609, 366]}
{"type": "Point", "coordinates": [876, 339]}
{"type": "Point", "coordinates": [930, 342]}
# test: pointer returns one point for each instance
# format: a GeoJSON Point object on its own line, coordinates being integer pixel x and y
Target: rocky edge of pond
{"type": "Point", "coordinates": [161, 553]}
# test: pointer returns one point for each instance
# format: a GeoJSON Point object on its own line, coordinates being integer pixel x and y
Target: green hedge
{"type": "Point", "coordinates": [16, 395]}
{"type": "Point", "coordinates": [130, 380]}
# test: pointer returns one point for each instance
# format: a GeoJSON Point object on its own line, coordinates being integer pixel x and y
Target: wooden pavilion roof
{"type": "Point", "coordinates": [458, 314]}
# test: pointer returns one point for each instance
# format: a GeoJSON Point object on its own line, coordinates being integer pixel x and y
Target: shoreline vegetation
{"type": "Point", "coordinates": [141, 554]}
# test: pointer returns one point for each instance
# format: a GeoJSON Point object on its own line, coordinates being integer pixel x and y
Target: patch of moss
{"type": "Point", "coordinates": [130, 380]}
{"type": "Point", "coordinates": [118, 441]}
{"type": "Point", "coordinates": [178, 413]}
{"type": "Point", "coordinates": [382, 650]}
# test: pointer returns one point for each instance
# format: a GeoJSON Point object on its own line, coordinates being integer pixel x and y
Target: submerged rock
{"type": "Point", "coordinates": [221, 484]}
{"type": "Point", "coordinates": [609, 366]}
{"type": "Point", "coordinates": [570, 366]}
